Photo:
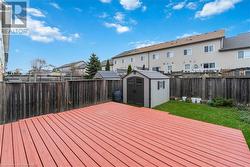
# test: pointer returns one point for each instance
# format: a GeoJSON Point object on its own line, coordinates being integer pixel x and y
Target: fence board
{"type": "Point", "coordinates": [237, 89]}
{"type": "Point", "coordinates": [24, 100]}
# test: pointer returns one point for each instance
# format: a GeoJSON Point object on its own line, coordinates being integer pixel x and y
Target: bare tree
{"type": "Point", "coordinates": [38, 65]}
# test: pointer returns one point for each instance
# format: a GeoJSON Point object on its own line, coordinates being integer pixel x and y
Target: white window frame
{"type": "Point", "coordinates": [132, 59]}
{"type": "Point", "coordinates": [169, 68]}
{"type": "Point", "coordinates": [155, 56]}
{"type": "Point", "coordinates": [208, 48]}
{"type": "Point", "coordinates": [142, 58]}
{"type": "Point", "coordinates": [246, 54]}
{"type": "Point", "coordinates": [209, 65]}
{"type": "Point", "coordinates": [123, 61]}
{"type": "Point", "coordinates": [191, 52]}
{"type": "Point", "coordinates": [170, 54]}
{"type": "Point", "coordinates": [186, 66]}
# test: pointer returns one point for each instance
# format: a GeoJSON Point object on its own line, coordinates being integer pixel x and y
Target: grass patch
{"type": "Point", "coordinates": [229, 117]}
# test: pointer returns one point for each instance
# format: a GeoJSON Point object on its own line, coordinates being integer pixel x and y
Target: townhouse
{"type": "Point", "coordinates": [200, 53]}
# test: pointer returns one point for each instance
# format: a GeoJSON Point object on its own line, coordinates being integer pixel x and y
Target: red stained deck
{"type": "Point", "coordinates": [114, 134]}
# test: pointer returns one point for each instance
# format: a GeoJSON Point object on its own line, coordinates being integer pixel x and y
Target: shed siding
{"type": "Point", "coordinates": [159, 96]}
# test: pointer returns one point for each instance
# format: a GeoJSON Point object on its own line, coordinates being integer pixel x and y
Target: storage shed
{"type": "Point", "coordinates": [145, 88]}
{"type": "Point", "coordinates": [107, 75]}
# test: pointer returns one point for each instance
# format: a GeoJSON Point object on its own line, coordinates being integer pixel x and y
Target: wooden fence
{"type": "Point", "coordinates": [24, 100]}
{"type": "Point", "coordinates": [237, 89]}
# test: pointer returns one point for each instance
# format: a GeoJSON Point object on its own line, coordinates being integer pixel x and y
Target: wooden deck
{"type": "Point", "coordinates": [114, 134]}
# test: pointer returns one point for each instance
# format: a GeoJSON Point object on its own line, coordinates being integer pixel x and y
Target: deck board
{"type": "Point", "coordinates": [113, 134]}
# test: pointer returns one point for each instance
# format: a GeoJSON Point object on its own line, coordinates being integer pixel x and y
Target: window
{"type": "Point", "coordinates": [156, 68]}
{"type": "Point", "coordinates": [208, 65]}
{"type": "Point", "coordinates": [247, 73]}
{"type": "Point", "coordinates": [132, 59]}
{"type": "Point", "coordinates": [209, 48]}
{"type": "Point", "coordinates": [247, 54]}
{"type": "Point", "coordinates": [122, 60]}
{"type": "Point", "coordinates": [241, 55]}
{"type": "Point", "coordinates": [170, 68]}
{"type": "Point", "coordinates": [115, 61]}
{"type": "Point", "coordinates": [155, 57]}
{"type": "Point", "coordinates": [170, 54]}
{"type": "Point", "coordinates": [188, 52]}
{"type": "Point", "coordinates": [187, 66]}
{"type": "Point", "coordinates": [196, 66]}
{"type": "Point", "coordinates": [161, 85]}
{"type": "Point", "coordinates": [244, 54]}
{"type": "Point", "coordinates": [142, 58]}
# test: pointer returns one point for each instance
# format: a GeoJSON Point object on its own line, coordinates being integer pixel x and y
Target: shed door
{"type": "Point", "coordinates": [135, 91]}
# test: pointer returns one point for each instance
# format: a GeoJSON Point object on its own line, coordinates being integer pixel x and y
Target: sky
{"type": "Point", "coordinates": [64, 31]}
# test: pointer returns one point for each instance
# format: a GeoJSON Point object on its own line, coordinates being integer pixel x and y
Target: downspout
{"type": "Point", "coordinates": [148, 62]}
{"type": "Point", "coordinates": [149, 93]}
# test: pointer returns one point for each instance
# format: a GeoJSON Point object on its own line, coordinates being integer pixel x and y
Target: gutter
{"type": "Point", "coordinates": [230, 49]}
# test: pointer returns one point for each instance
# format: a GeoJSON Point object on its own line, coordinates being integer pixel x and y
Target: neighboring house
{"type": "Point", "coordinates": [103, 64]}
{"type": "Point", "coordinates": [4, 38]}
{"type": "Point", "coordinates": [121, 72]}
{"type": "Point", "coordinates": [76, 68]}
{"type": "Point", "coordinates": [107, 75]}
{"type": "Point", "coordinates": [238, 72]}
{"type": "Point", "coordinates": [209, 52]}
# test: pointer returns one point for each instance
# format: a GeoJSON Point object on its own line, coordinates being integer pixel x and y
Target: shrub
{"type": "Point", "coordinates": [221, 102]}
{"type": "Point", "coordinates": [245, 116]}
{"type": "Point", "coordinates": [188, 100]}
{"type": "Point", "coordinates": [244, 112]}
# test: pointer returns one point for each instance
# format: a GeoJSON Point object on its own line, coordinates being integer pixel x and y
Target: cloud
{"type": "Point", "coordinates": [35, 12]}
{"type": "Point", "coordinates": [187, 35]}
{"type": "Point", "coordinates": [105, 1]}
{"type": "Point", "coordinates": [119, 17]}
{"type": "Point", "coordinates": [179, 6]}
{"type": "Point", "coordinates": [141, 44]}
{"type": "Point", "coordinates": [78, 9]}
{"type": "Point", "coordinates": [216, 7]}
{"type": "Point", "coordinates": [191, 5]}
{"type": "Point", "coordinates": [144, 8]}
{"type": "Point", "coordinates": [130, 4]}
{"type": "Point", "coordinates": [119, 28]}
{"type": "Point", "coordinates": [55, 5]}
{"type": "Point", "coordinates": [39, 31]}
{"type": "Point", "coordinates": [103, 15]}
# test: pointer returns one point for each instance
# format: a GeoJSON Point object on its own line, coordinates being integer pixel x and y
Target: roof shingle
{"type": "Point", "coordinates": [179, 42]}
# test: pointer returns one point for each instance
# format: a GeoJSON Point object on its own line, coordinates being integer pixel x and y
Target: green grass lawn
{"type": "Point", "coordinates": [229, 117]}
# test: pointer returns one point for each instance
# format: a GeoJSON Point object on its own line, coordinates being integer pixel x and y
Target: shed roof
{"type": "Point", "coordinates": [109, 74]}
{"type": "Point", "coordinates": [237, 42]}
{"type": "Point", "coordinates": [152, 74]}
{"type": "Point", "coordinates": [179, 42]}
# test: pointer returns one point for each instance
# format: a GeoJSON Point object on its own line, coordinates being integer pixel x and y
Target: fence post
{"type": "Point", "coordinates": [203, 88]}
{"type": "Point", "coordinates": [95, 91]}
{"type": "Point", "coordinates": [1, 102]}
